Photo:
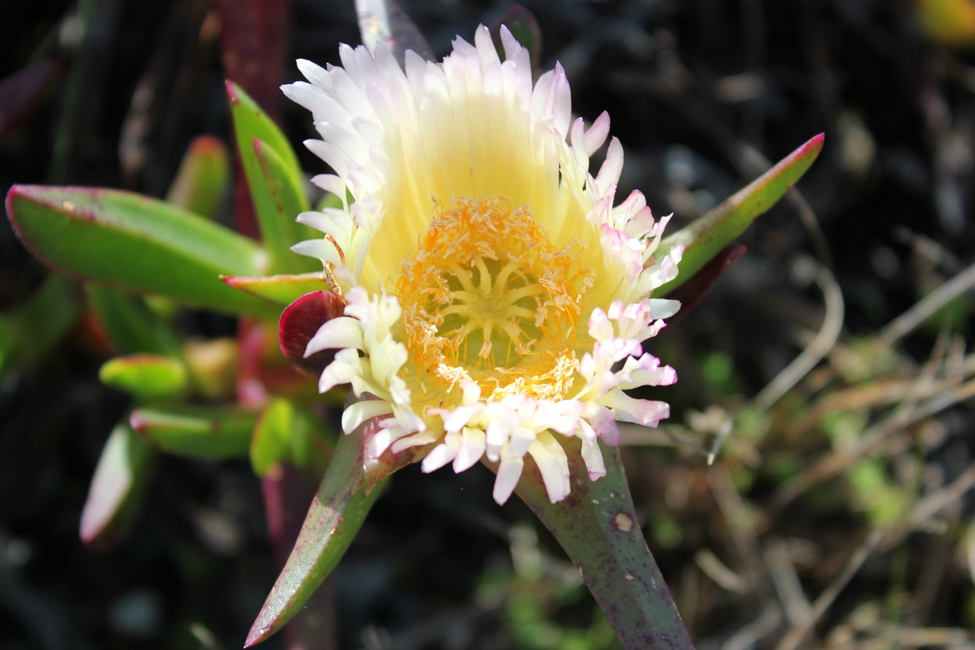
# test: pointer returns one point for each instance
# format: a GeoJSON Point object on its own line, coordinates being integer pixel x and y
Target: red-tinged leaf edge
{"type": "Point", "coordinates": [286, 496]}
{"type": "Point", "coordinates": [706, 237]}
{"type": "Point", "coordinates": [163, 230]}
{"type": "Point", "coordinates": [337, 512]}
{"type": "Point", "coordinates": [300, 322]}
{"type": "Point", "coordinates": [693, 290]}
{"type": "Point", "coordinates": [351, 485]}
{"type": "Point", "coordinates": [283, 289]}
{"type": "Point", "coordinates": [598, 527]}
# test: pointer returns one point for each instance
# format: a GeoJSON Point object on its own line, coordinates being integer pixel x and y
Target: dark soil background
{"type": "Point", "coordinates": [702, 93]}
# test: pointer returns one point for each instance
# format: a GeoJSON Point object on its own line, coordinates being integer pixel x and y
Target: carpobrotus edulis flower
{"type": "Point", "coordinates": [497, 300]}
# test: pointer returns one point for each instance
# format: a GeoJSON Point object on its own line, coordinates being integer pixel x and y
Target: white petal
{"type": "Point", "coordinates": [343, 370]}
{"type": "Point", "coordinates": [416, 440]}
{"type": "Point", "coordinates": [609, 173]}
{"type": "Point", "coordinates": [315, 74]}
{"type": "Point", "coordinates": [591, 453]}
{"type": "Point", "coordinates": [509, 471]}
{"type": "Point", "coordinates": [661, 308]}
{"type": "Point", "coordinates": [442, 453]}
{"type": "Point", "coordinates": [356, 414]}
{"type": "Point", "coordinates": [382, 439]}
{"type": "Point", "coordinates": [511, 45]}
{"type": "Point", "coordinates": [649, 413]}
{"type": "Point", "coordinates": [331, 184]}
{"type": "Point", "coordinates": [321, 249]}
{"type": "Point", "coordinates": [597, 133]}
{"type": "Point", "coordinates": [521, 439]}
{"type": "Point", "coordinates": [553, 465]}
{"type": "Point", "coordinates": [339, 332]}
{"type": "Point", "coordinates": [604, 424]}
{"type": "Point", "coordinates": [471, 449]}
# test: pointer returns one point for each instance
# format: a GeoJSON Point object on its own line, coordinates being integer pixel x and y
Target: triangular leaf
{"type": "Point", "coordinates": [706, 237]}
{"type": "Point", "coordinates": [351, 485]}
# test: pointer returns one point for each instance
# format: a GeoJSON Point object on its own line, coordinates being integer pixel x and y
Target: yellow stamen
{"type": "Point", "coordinates": [487, 297]}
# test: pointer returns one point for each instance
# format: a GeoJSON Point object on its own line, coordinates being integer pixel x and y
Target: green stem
{"type": "Point", "coordinates": [597, 526]}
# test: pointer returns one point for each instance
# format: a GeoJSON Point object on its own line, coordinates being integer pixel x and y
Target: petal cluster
{"type": "Point", "coordinates": [471, 343]}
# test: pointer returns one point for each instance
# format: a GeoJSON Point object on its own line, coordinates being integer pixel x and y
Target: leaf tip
{"type": "Point", "coordinates": [815, 144]}
{"type": "Point", "coordinates": [257, 634]}
{"type": "Point", "coordinates": [231, 91]}
{"type": "Point", "coordinates": [208, 145]}
{"type": "Point", "coordinates": [138, 422]}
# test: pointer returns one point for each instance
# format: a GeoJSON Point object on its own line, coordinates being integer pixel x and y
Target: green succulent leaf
{"type": "Point", "coordinates": [275, 182]}
{"type": "Point", "coordinates": [597, 526]}
{"type": "Point", "coordinates": [279, 199]}
{"type": "Point", "coordinates": [203, 177]}
{"type": "Point", "coordinates": [707, 237]}
{"type": "Point", "coordinates": [286, 434]}
{"type": "Point", "coordinates": [124, 470]}
{"type": "Point", "coordinates": [148, 377]}
{"type": "Point", "coordinates": [136, 243]}
{"type": "Point", "coordinates": [384, 21]}
{"type": "Point", "coordinates": [350, 487]}
{"type": "Point", "coordinates": [130, 323]}
{"type": "Point", "coordinates": [29, 331]}
{"type": "Point", "coordinates": [282, 289]}
{"type": "Point", "coordinates": [196, 432]}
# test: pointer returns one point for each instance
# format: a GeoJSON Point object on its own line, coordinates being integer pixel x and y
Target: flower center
{"type": "Point", "coordinates": [488, 298]}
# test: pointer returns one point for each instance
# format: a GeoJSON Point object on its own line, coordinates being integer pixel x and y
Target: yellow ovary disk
{"type": "Point", "coordinates": [488, 298]}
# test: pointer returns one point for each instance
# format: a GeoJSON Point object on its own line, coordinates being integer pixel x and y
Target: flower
{"type": "Point", "coordinates": [497, 301]}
